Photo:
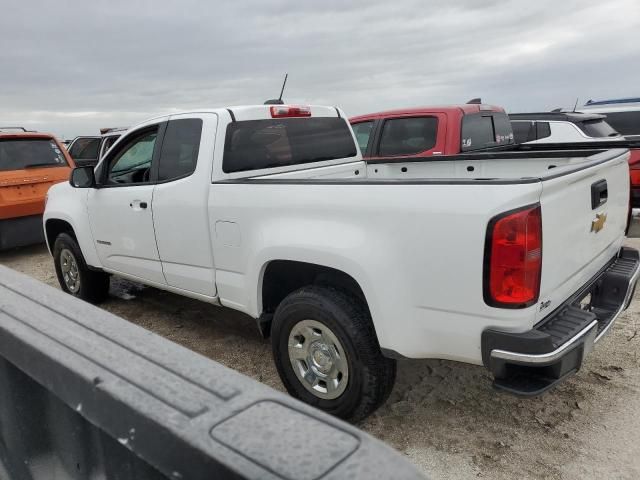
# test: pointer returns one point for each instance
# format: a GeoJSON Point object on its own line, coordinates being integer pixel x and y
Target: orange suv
{"type": "Point", "coordinates": [30, 162]}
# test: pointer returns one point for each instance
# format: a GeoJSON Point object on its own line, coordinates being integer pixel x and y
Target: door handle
{"type": "Point", "coordinates": [136, 204]}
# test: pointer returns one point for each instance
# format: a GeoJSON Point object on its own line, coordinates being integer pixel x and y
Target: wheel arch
{"type": "Point", "coordinates": [280, 277]}
{"type": "Point", "coordinates": [54, 227]}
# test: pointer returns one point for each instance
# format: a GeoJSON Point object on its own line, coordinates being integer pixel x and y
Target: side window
{"type": "Point", "coordinates": [523, 131]}
{"type": "Point", "coordinates": [85, 148]}
{"type": "Point", "coordinates": [363, 131]}
{"type": "Point", "coordinates": [543, 130]}
{"type": "Point", "coordinates": [179, 149]}
{"type": "Point", "coordinates": [131, 164]}
{"type": "Point", "coordinates": [107, 144]}
{"type": "Point", "coordinates": [477, 132]}
{"type": "Point", "coordinates": [405, 136]}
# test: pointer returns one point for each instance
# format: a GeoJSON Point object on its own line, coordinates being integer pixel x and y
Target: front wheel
{"type": "Point", "coordinates": [327, 353]}
{"type": "Point", "coordinates": [74, 275]}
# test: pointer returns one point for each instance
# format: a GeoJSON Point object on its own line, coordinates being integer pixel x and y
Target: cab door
{"type": "Point", "coordinates": [120, 209]}
{"type": "Point", "coordinates": [180, 203]}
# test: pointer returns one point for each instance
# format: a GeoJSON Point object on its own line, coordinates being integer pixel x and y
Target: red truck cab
{"type": "Point", "coordinates": [428, 131]}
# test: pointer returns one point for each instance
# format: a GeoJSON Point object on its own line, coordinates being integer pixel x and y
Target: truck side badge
{"type": "Point", "coordinates": [598, 223]}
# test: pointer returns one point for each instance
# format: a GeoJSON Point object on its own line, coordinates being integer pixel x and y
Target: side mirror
{"type": "Point", "coordinates": [82, 177]}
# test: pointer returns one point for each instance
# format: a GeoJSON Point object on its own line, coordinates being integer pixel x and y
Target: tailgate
{"type": "Point", "coordinates": [584, 216]}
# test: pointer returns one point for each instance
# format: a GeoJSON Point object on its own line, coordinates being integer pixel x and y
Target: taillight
{"type": "Point", "coordinates": [513, 258]}
{"type": "Point", "coordinates": [280, 111]}
{"type": "Point", "coordinates": [635, 176]}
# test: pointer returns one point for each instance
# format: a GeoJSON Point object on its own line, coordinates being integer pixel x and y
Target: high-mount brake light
{"type": "Point", "coordinates": [283, 111]}
{"type": "Point", "coordinates": [513, 258]}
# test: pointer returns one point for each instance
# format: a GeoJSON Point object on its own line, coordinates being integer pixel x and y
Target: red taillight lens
{"type": "Point", "coordinates": [635, 176]}
{"type": "Point", "coordinates": [280, 111]}
{"type": "Point", "coordinates": [513, 258]}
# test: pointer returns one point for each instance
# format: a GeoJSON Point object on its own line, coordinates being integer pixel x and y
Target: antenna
{"type": "Point", "coordinates": [286, 75]}
{"type": "Point", "coordinates": [278, 101]}
{"type": "Point", "coordinates": [576, 104]}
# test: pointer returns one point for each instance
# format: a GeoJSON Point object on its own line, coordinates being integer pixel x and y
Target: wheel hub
{"type": "Point", "coordinates": [318, 359]}
{"type": "Point", "coordinates": [321, 358]}
{"type": "Point", "coordinates": [70, 271]}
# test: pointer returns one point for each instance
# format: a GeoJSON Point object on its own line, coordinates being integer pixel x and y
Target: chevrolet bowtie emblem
{"type": "Point", "coordinates": [598, 223]}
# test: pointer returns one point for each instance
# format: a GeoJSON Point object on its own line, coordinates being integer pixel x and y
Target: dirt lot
{"type": "Point", "coordinates": [442, 415]}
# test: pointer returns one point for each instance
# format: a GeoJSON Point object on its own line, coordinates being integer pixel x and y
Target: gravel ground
{"type": "Point", "coordinates": [442, 415]}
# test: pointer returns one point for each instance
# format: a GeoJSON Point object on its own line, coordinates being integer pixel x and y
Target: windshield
{"type": "Point", "coordinates": [257, 144]}
{"type": "Point", "coordinates": [597, 128]}
{"type": "Point", "coordinates": [17, 154]}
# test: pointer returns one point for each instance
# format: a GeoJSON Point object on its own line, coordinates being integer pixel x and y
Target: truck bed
{"type": "Point", "coordinates": [419, 227]}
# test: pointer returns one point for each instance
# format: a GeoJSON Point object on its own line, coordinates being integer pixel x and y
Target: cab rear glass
{"type": "Point", "coordinates": [258, 144]}
{"type": "Point", "coordinates": [18, 154]}
{"type": "Point", "coordinates": [485, 130]}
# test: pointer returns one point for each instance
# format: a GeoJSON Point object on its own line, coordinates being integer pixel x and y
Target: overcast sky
{"type": "Point", "coordinates": [71, 67]}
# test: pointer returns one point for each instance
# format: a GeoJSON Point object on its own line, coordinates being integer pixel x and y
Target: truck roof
{"type": "Point", "coordinates": [251, 112]}
{"type": "Point", "coordinates": [25, 134]}
{"type": "Point", "coordinates": [462, 109]}
{"type": "Point", "coordinates": [557, 116]}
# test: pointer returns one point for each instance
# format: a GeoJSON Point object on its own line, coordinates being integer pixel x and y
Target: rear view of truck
{"type": "Point", "coordinates": [564, 256]}
{"type": "Point", "coordinates": [30, 163]}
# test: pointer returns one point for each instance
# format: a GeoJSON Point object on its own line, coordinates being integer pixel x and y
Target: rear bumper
{"type": "Point", "coordinates": [530, 363]}
{"type": "Point", "coordinates": [21, 231]}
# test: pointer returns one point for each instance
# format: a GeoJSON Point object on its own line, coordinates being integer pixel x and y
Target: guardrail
{"type": "Point", "coordinates": [86, 394]}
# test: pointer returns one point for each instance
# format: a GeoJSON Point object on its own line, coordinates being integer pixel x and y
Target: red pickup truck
{"type": "Point", "coordinates": [462, 129]}
{"type": "Point", "coordinates": [427, 131]}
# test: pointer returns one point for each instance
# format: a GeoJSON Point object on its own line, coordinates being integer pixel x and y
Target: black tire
{"type": "Point", "coordinates": [93, 285]}
{"type": "Point", "coordinates": [371, 376]}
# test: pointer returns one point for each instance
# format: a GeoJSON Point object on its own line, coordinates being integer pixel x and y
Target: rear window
{"type": "Point", "coordinates": [627, 123]}
{"type": "Point", "coordinates": [85, 149]}
{"type": "Point", "coordinates": [483, 130]}
{"type": "Point", "coordinates": [16, 154]}
{"type": "Point", "coordinates": [257, 144]}
{"type": "Point", "coordinates": [180, 149]}
{"type": "Point", "coordinates": [406, 136]}
{"type": "Point", "coordinates": [597, 128]}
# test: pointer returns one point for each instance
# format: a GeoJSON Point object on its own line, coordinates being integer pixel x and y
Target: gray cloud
{"type": "Point", "coordinates": [72, 67]}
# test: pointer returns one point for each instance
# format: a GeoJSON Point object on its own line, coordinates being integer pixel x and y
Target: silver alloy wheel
{"type": "Point", "coordinates": [70, 273]}
{"type": "Point", "coordinates": [318, 359]}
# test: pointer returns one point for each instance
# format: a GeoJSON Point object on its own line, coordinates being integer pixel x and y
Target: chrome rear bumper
{"type": "Point", "coordinates": [531, 362]}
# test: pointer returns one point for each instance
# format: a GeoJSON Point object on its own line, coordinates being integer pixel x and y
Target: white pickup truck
{"type": "Point", "coordinates": [513, 260]}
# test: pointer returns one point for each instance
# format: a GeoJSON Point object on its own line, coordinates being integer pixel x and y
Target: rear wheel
{"type": "Point", "coordinates": [73, 274]}
{"type": "Point", "coordinates": [327, 353]}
